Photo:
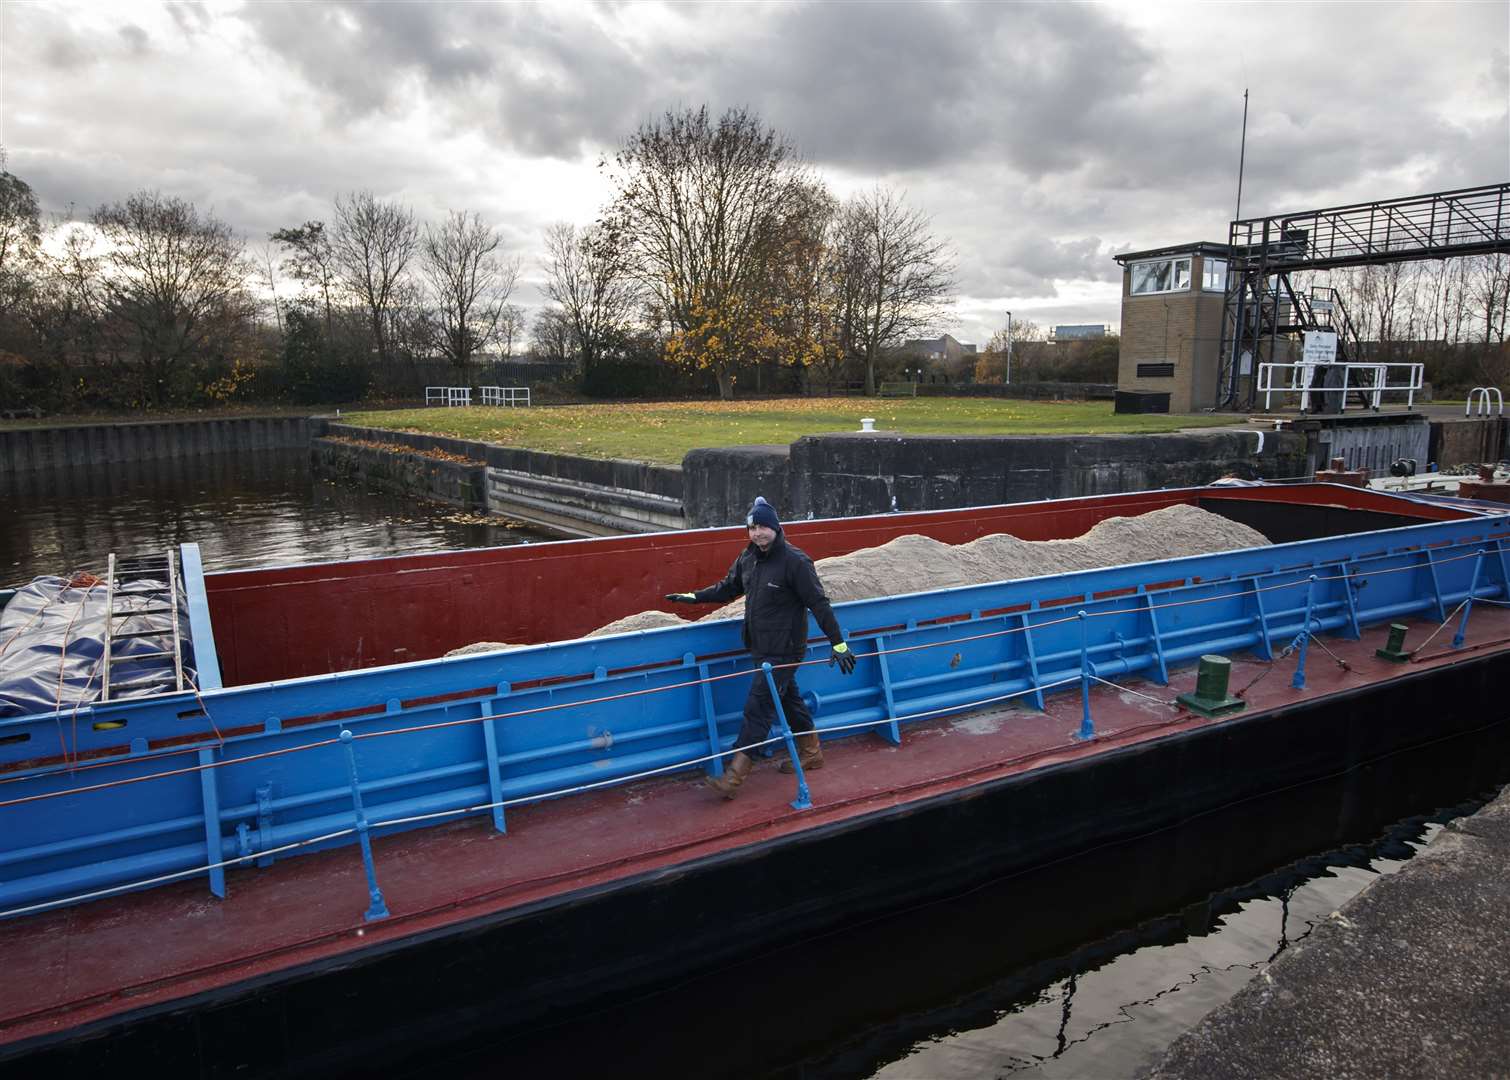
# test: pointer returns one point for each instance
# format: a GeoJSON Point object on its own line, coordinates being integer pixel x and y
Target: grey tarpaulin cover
{"type": "Point", "coordinates": [52, 645]}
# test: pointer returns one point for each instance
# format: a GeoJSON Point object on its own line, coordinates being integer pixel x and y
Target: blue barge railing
{"type": "Point", "coordinates": [133, 792]}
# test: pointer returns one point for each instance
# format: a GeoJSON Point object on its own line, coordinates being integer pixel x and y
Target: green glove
{"type": "Point", "coordinates": [844, 657]}
{"type": "Point", "coordinates": [681, 598]}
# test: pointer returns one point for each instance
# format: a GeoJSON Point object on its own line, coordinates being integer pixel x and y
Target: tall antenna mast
{"type": "Point", "coordinates": [1241, 158]}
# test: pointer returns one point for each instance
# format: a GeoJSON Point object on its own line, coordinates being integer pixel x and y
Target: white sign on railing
{"type": "Point", "coordinates": [1320, 347]}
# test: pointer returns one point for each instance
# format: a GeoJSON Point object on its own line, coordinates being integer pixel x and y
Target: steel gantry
{"type": "Point", "coordinates": [1262, 305]}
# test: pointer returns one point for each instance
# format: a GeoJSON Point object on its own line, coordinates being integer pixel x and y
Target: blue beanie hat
{"type": "Point", "coordinates": [762, 513]}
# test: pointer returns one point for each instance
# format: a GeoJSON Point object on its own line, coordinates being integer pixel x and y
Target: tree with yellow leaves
{"type": "Point", "coordinates": [700, 206]}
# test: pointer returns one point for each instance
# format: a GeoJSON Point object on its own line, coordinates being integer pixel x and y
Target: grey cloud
{"type": "Point", "coordinates": [191, 17]}
{"type": "Point", "coordinates": [1029, 264]}
{"type": "Point", "coordinates": [362, 54]}
{"type": "Point", "coordinates": [533, 82]}
{"type": "Point", "coordinates": [1042, 136]}
{"type": "Point", "coordinates": [137, 41]}
{"type": "Point", "coordinates": [66, 54]}
{"type": "Point", "coordinates": [1051, 91]}
{"type": "Point", "coordinates": [872, 86]}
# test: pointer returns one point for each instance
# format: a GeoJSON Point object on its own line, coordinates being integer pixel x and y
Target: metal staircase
{"type": "Point", "coordinates": [142, 609]}
{"type": "Point", "coordinates": [1261, 305]}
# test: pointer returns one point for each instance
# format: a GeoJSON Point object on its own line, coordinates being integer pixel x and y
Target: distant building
{"type": "Point", "coordinates": [1172, 309]}
{"type": "Point", "coordinates": [1080, 332]}
{"type": "Point", "coordinates": [941, 359]}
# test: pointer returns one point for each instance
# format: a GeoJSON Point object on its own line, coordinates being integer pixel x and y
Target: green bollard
{"type": "Point", "coordinates": [1210, 696]}
{"type": "Point", "coordinates": [1395, 650]}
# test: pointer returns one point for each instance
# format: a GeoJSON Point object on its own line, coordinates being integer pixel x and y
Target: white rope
{"type": "Point", "coordinates": [175, 876]}
{"type": "Point", "coordinates": [1135, 693]}
{"type": "Point", "coordinates": [1451, 615]}
{"type": "Point", "coordinates": [481, 807]}
{"type": "Point", "coordinates": [677, 767]}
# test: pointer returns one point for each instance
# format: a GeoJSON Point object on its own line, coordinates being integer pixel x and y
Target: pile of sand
{"type": "Point", "coordinates": [912, 563]}
{"type": "Point", "coordinates": [645, 620]}
{"type": "Point", "coordinates": [917, 564]}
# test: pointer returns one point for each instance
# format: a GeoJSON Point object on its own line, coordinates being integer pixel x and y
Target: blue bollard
{"type": "Point", "coordinates": [1461, 635]}
{"type": "Point", "coordinates": [378, 909]}
{"type": "Point", "coordinates": [804, 800]}
{"type": "Point", "coordinates": [1087, 728]}
{"type": "Point", "coordinates": [1303, 639]}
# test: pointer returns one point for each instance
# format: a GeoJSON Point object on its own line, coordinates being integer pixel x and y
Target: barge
{"type": "Point", "coordinates": [339, 847]}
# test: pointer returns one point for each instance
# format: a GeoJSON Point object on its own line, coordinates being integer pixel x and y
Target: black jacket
{"type": "Point", "coordinates": [780, 587]}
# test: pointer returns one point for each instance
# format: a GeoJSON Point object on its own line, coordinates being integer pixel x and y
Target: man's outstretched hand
{"type": "Point", "coordinates": [844, 658]}
{"type": "Point", "coordinates": [681, 598]}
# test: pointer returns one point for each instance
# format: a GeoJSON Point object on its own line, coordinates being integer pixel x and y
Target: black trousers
{"type": "Point", "coordinates": [760, 710]}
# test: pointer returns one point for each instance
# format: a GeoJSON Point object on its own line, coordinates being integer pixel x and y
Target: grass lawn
{"type": "Point", "coordinates": [664, 431]}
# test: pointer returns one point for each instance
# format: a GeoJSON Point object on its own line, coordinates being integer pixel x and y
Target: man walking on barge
{"type": "Point", "coordinates": [780, 587]}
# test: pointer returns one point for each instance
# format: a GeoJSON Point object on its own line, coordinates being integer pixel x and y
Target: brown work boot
{"type": "Point", "coordinates": [734, 775]}
{"type": "Point", "coordinates": [809, 753]}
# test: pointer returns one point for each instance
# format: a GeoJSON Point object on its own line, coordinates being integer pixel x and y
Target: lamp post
{"type": "Point", "coordinates": [1009, 348]}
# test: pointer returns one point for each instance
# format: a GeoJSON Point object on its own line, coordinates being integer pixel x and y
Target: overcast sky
{"type": "Point", "coordinates": [1041, 138]}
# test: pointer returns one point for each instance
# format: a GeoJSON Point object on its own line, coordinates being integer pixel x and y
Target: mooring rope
{"type": "Point", "coordinates": [504, 803]}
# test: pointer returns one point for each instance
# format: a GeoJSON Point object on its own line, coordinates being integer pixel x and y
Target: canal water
{"type": "Point", "coordinates": [257, 509]}
{"type": "Point", "coordinates": [1085, 969]}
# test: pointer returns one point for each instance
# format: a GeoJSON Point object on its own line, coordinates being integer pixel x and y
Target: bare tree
{"type": "Point", "coordinates": [174, 286]}
{"type": "Point", "coordinates": [554, 337]}
{"type": "Point", "coordinates": [901, 274]}
{"type": "Point", "coordinates": [510, 328]}
{"type": "Point", "coordinates": [373, 245]}
{"type": "Point", "coordinates": [587, 279]}
{"type": "Point", "coordinates": [696, 201]}
{"type": "Point", "coordinates": [468, 283]}
{"type": "Point", "coordinates": [20, 235]}
{"type": "Point", "coordinates": [312, 262]}
{"type": "Point", "coordinates": [65, 309]}
{"type": "Point", "coordinates": [1492, 303]}
{"type": "Point", "coordinates": [268, 274]}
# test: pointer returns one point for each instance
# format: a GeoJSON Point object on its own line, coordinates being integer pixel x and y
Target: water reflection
{"type": "Point", "coordinates": [1085, 967]}
{"type": "Point", "coordinates": [1125, 999]}
{"type": "Point", "coordinates": [244, 510]}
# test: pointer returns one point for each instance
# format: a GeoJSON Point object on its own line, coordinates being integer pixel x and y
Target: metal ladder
{"type": "Point", "coordinates": [121, 574]}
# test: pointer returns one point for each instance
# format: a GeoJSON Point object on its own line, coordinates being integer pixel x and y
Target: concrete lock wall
{"type": "Point", "coordinates": [1475, 441]}
{"type": "Point", "coordinates": [574, 496]}
{"type": "Point", "coordinates": [848, 474]}
{"type": "Point", "coordinates": [26, 449]}
{"type": "Point", "coordinates": [1374, 446]}
{"type": "Point", "coordinates": [457, 483]}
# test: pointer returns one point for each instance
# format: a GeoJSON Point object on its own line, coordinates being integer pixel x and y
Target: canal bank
{"type": "Point", "coordinates": [23, 449]}
{"type": "Point", "coordinates": [1408, 978]}
{"type": "Point", "coordinates": [838, 475]}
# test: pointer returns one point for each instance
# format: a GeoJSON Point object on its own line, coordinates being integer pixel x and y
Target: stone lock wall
{"type": "Point", "coordinates": [864, 473]}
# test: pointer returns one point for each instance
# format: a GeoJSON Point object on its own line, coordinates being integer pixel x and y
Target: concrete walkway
{"type": "Point", "coordinates": [1411, 978]}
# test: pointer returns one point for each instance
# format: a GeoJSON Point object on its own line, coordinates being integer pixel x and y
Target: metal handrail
{"type": "Point", "coordinates": [1480, 394]}
{"type": "Point", "coordinates": [1302, 379]}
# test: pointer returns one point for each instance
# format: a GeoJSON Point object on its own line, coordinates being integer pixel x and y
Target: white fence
{"type": "Point", "coordinates": [449, 396]}
{"type": "Point", "coordinates": [506, 395]}
{"type": "Point", "coordinates": [1371, 380]}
